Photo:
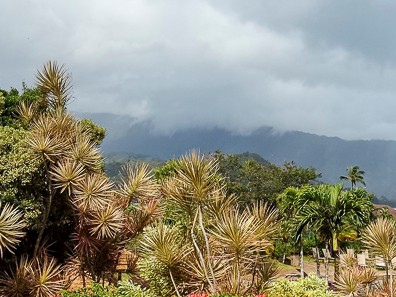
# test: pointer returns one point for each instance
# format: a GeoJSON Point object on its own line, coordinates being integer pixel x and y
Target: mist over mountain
{"type": "Point", "coordinates": [329, 155]}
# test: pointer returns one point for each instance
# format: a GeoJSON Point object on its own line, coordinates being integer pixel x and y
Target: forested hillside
{"type": "Point", "coordinates": [329, 155]}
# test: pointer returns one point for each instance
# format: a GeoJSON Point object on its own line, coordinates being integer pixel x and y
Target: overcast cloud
{"type": "Point", "coordinates": [326, 67]}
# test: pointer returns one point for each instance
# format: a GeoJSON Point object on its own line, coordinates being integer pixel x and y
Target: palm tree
{"type": "Point", "coordinates": [331, 212]}
{"type": "Point", "coordinates": [354, 175]}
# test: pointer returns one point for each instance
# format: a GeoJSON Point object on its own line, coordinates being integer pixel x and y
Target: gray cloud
{"type": "Point", "coordinates": [326, 67]}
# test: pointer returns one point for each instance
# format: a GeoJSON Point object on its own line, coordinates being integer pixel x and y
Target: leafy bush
{"type": "Point", "coordinates": [96, 290]}
{"type": "Point", "coordinates": [156, 274]}
{"type": "Point", "coordinates": [123, 289]}
{"type": "Point", "coordinates": [129, 289]}
{"type": "Point", "coordinates": [311, 286]}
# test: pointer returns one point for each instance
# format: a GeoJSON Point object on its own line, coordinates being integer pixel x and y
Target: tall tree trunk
{"type": "Point", "coordinates": [317, 262]}
{"type": "Point", "coordinates": [302, 260]}
{"type": "Point", "coordinates": [326, 263]}
{"type": "Point", "coordinates": [336, 256]}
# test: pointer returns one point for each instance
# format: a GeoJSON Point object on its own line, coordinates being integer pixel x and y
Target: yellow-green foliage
{"type": "Point", "coordinates": [311, 286]}
{"type": "Point", "coordinates": [19, 172]}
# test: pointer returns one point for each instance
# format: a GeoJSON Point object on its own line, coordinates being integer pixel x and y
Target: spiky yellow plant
{"type": "Point", "coordinates": [138, 184]}
{"type": "Point", "coordinates": [238, 234]}
{"type": "Point", "coordinates": [164, 244]}
{"type": "Point", "coordinates": [15, 283]}
{"type": "Point", "coordinates": [106, 222]}
{"type": "Point", "coordinates": [27, 112]}
{"type": "Point", "coordinates": [55, 82]}
{"type": "Point", "coordinates": [268, 217]}
{"type": "Point", "coordinates": [85, 152]}
{"type": "Point", "coordinates": [66, 174]}
{"type": "Point", "coordinates": [380, 237]}
{"type": "Point", "coordinates": [93, 192]}
{"type": "Point", "coordinates": [39, 277]}
{"type": "Point", "coordinates": [45, 280]}
{"type": "Point", "coordinates": [11, 226]}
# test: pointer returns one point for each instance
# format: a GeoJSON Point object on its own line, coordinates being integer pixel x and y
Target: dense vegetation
{"type": "Point", "coordinates": [195, 226]}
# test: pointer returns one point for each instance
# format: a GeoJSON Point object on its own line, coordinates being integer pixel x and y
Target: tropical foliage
{"type": "Point", "coordinates": [354, 175]}
{"type": "Point", "coordinates": [200, 225]}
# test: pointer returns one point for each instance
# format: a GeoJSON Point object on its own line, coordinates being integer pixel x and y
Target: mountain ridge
{"type": "Point", "coordinates": [329, 155]}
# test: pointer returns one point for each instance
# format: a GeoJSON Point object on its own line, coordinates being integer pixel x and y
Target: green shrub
{"type": "Point", "coordinates": [156, 274]}
{"type": "Point", "coordinates": [311, 286]}
{"type": "Point", "coordinates": [129, 289]}
{"type": "Point", "coordinates": [96, 290]}
{"type": "Point", "coordinates": [123, 289]}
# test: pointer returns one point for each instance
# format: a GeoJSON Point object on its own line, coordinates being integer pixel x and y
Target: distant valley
{"type": "Point", "coordinates": [329, 155]}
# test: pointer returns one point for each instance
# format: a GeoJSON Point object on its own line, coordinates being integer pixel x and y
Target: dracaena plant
{"type": "Point", "coordinates": [11, 228]}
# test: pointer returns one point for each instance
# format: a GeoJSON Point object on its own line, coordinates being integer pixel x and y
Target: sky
{"type": "Point", "coordinates": [326, 67]}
